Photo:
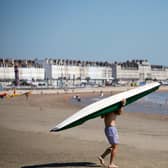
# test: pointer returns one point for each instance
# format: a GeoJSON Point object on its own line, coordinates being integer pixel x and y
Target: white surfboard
{"type": "Point", "coordinates": [106, 105]}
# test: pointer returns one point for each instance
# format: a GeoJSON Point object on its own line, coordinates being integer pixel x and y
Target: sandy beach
{"type": "Point", "coordinates": [25, 140]}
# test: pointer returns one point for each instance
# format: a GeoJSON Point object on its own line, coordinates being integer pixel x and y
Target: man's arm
{"type": "Point", "coordinates": [123, 103]}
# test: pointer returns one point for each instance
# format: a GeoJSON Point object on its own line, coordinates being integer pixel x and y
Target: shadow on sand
{"type": "Point", "coordinates": [70, 164]}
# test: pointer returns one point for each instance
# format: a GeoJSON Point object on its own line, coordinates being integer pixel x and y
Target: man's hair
{"type": "Point", "coordinates": [118, 112]}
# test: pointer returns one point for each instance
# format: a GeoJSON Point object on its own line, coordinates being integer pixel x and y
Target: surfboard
{"type": "Point", "coordinates": [19, 94]}
{"type": "Point", "coordinates": [106, 105]}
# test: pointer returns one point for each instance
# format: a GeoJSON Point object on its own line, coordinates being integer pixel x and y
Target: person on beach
{"type": "Point", "coordinates": [112, 135]}
{"type": "Point", "coordinates": [27, 94]}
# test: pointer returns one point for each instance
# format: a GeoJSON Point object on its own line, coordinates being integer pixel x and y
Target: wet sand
{"type": "Point", "coordinates": [25, 141]}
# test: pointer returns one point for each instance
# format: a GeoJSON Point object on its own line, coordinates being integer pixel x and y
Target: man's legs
{"type": "Point", "coordinates": [113, 154]}
{"type": "Point", "coordinates": [106, 152]}
{"type": "Point", "coordinates": [101, 157]}
{"type": "Point", "coordinates": [113, 138]}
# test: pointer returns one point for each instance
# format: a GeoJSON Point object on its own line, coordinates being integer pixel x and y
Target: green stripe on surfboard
{"type": "Point", "coordinates": [108, 109]}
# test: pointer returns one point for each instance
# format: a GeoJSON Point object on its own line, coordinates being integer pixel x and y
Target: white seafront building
{"type": "Point", "coordinates": [139, 70]}
{"type": "Point", "coordinates": [73, 73]}
{"type": "Point", "coordinates": [61, 72]}
{"type": "Point", "coordinates": [27, 70]}
{"type": "Point", "coordinates": [159, 72]}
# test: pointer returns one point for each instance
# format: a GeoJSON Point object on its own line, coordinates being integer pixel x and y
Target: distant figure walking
{"type": "Point", "coordinates": [101, 93]}
{"type": "Point", "coordinates": [112, 136]}
{"type": "Point", "coordinates": [27, 94]}
{"type": "Point", "coordinates": [14, 91]}
{"type": "Point", "coordinates": [79, 99]}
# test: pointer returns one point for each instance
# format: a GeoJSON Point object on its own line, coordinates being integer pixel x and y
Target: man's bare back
{"type": "Point", "coordinates": [110, 119]}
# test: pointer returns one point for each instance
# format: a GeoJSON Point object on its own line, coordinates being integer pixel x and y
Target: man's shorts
{"type": "Point", "coordinates": [112, 135]}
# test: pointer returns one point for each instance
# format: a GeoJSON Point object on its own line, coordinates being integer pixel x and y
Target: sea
{"type": "Point", "coordinates": [154, 103]}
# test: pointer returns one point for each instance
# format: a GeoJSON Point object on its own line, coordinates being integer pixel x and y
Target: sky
{"type": "Point", "coordinates": [96, 30]}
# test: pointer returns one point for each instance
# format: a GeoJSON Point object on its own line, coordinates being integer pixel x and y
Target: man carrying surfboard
{"type": "Point", "coordinates": [112, 135]}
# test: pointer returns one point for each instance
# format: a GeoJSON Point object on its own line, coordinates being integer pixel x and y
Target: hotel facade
{"type": "Point", "coordinates": [27, 70]}
{"type": "Point", "coordinates": [62, 72]}
{"type": "Point", "coordinates": [76, 72]}
{"type": "Point", "coordinates": [139, 70]}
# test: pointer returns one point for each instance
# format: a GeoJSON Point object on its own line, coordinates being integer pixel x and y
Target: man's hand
{"type": "Point", "coordinates": [123, 102]}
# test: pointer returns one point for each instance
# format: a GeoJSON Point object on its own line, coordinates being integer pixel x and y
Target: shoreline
{"type": "Point", "coordinates": [83, 90]}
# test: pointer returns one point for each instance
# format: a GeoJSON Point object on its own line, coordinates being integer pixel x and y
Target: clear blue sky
{"type": "Point", "coordinates": [102, 30]}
